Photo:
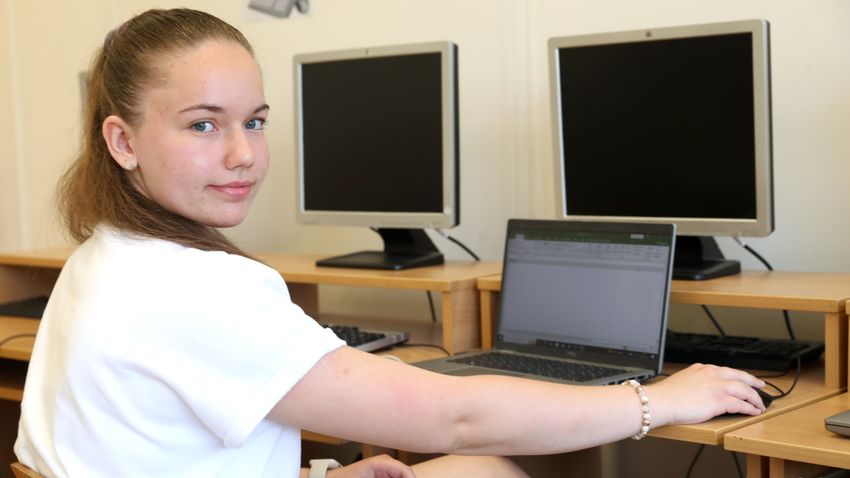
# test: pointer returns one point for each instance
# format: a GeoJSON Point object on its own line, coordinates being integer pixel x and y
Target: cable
{"type": "Point", "coordinates": [737, 465]}
{"type": "Point", "coordinates": [714, 321]}
{"type": "Point", "coordinates": [15, 336]}
{"type": "Point", "coordinates": [784, 393]}
{"type": "Point", "coordinates": [431, 304]}
{"type": "Point", "coordinates": [694, 461]}
{"type": "Point", "coordinates": [468, 250]}
{"type": "Point", "coordinates": [758, 256]}
{"type": "Point", "coordinates": [462, 246]}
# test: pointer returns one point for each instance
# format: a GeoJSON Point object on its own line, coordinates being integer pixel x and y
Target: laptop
{"type": "Point", "coordinates": [589, 297]}
{"type": "Point", "coordinates": [838, 423]}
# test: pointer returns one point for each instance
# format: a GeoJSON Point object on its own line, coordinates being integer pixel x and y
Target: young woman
{"type": "Point", "coordinates": [165, 350]}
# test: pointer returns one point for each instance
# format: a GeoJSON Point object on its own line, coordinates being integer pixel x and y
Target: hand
{"type": "Point", "coordinates": [381, 466]}
{"type": "Point", "coordinates": [701, 392]}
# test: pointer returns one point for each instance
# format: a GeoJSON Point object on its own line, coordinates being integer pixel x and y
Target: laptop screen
{"type": "Point", "coordinates": [590, 290]}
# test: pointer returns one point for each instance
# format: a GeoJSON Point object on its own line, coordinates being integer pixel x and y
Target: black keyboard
{"type": "Point", "coordinates": [32, 308]}
{"type": "Point", "coordinates": [739, 352]}
{"type": "Point", "coordinates": [367, 340]}
{"type": "Point", "coordinates": [558, 369]}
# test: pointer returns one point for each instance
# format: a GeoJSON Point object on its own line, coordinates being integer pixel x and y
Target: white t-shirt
{"type": "Point", "coordinates": [158, 360]}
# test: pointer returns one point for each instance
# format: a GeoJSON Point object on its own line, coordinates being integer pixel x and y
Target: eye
{"type": "Point", "coordinates": [203, 126]}
{"type": "Point", "coordinates": [256, 123]}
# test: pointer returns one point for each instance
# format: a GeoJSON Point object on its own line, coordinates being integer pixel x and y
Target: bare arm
{"type": "Point", "coordinates": [370, 399]}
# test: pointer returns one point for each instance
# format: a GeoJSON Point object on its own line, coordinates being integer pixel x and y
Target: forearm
{"type": "Point", "coordinates": [365, 398]}
{"type": "Point", "coordinates": [517, 416]}
{"type": "Point", "coordinates": [378, 401]}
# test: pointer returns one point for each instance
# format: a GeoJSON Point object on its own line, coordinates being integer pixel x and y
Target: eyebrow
{"type": "Point", "coordinates": [218, 109]}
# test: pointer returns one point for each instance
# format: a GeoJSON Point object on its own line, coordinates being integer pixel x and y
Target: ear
{"type": "Point", "coordinates": [116, 132]}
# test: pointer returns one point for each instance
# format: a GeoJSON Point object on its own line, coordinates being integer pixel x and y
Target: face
{"type": "Point", "coordinates": [199, 149]}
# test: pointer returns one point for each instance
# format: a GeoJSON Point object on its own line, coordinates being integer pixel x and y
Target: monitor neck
{"type": "Point", "coordinates": [700, 258]}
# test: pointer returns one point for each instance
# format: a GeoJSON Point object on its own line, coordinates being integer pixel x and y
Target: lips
{"type": "Point", "coordinates": [236, 189]}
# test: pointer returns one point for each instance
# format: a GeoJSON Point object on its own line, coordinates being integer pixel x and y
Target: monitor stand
{"type": "Point", "coordinates": [700, 258]}
{"type": "Point", "coordinates": [403, 249]}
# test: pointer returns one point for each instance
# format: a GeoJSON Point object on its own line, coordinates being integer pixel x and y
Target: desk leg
{"type": "Point", "coordinates": [835, 354]}
{"type": "Point", "coordinates": [757, 466]}
{"type": "Point", "coordinates": [780, 468]}
{"type": "Point", "coordinates": [461, 320]}
{"type": "Point", "coordinates": [489, 310]}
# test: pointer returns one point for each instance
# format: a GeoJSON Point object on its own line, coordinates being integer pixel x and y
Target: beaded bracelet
{"type": "Point", "coordinates": [644, 408]}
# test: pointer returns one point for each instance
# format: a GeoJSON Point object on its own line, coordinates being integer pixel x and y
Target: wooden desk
{"type": "Point", "coordinates": [789, 444]}
{"type": "Point", "coordinates": [825, 293]}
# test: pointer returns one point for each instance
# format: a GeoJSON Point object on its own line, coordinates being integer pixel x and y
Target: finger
{"type": "Point", "coordinates": [749, 395]}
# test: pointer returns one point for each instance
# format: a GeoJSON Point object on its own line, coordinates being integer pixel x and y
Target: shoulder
{"type": "Point", "coordinates": [133, 254]}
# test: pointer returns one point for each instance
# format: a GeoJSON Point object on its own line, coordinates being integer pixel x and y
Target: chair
{"type": "Point", "coordinates": [23, 471]}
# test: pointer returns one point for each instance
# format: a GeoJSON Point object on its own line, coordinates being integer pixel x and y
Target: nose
{"type": "Point", "coordinates": [239, 150]}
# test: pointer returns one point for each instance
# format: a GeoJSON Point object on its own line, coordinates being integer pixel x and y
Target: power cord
{"type": "Point", "coordinates": [696, 458]}
{"type": "Point", "coordinates": [758, 256]}
{"type": "Point", "coordinates": [784, 393]}
{"type": "Point", "coordinates": [15, 336]}
{"type": "Point", "coordinates": [462, 246]}
{"type": "Point", "coordinates": [714, 320]}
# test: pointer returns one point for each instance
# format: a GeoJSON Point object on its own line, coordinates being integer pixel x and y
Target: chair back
{"type": "Point", "coordinates": [22, 471]}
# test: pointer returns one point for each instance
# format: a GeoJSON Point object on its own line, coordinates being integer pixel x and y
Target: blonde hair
{"type": "Point", "coordinates": [95, 189]}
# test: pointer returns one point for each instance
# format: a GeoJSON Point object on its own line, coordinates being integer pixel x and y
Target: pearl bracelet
{"type": "Point", "coordinates": [644, 409]}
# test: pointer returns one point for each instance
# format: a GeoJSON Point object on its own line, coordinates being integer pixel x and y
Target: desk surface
{"type": "Point", "coordinates": [809, 389]}
{"type": "Point", "coordinates": [452, 275]}
{"type": "Point", "coordinates": [798, 435]}
{"type": "Point", "coordinates": [302, 269]}
{"type": "Point", "coordinates": [807, 291]}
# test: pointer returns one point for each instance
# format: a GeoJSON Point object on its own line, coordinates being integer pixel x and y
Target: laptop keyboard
{"type": "Point", "coordinates": [557, 369]}
{"type": "Point", "coordinates": [367, 340]}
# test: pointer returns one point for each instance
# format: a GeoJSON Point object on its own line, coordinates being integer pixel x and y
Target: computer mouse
{"type": "Point", "coordinates": [766, 398]}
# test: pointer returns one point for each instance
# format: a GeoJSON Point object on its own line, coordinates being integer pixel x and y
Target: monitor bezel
{"type": "Point", "coordinates": [450, 215]}
{"type": "Point", "coordinates": [760, 226]}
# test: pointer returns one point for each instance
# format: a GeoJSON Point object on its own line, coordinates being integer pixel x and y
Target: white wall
{"type": "Point", "coordinates": [507, 167]}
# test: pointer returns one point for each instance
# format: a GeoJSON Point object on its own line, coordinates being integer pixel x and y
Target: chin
{"type": "Point", "coordinates": [223, 221]}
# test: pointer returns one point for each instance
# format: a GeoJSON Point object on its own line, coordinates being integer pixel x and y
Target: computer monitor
{"type": "Point", "coordinates": [667, 125]}
{"type": "Point", "coordinates": [377, 142]}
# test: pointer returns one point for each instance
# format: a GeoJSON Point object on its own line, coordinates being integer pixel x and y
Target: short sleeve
{"type": "Point", "coordinates": [224, 336]}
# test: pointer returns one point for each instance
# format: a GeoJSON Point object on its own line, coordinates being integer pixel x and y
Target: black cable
{"type": "Point", "coordinates": [737, 465]}
{"type": "Point", "coordinates": [694, 461]}
{"type": "Point", "coordinates": [758, 256]}
{"type": "Point", "coordinates": [462, 245]}
{"type": "Point", "coordinates": [431, 304]}
{"type": "Point", "coordinates": [15, 336]}
{"type": "Point", "coordinates": [468, 250]}
{"type": "Point", "coordinates": [714, 321]}
{"type": "Point", "coordinates": [783, 393]}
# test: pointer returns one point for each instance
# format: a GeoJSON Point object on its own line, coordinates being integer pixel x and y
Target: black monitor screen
{"type": "Point", "coordinates": [372, 134]}
{"type": "Point", "coordinates": [660, 128]}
